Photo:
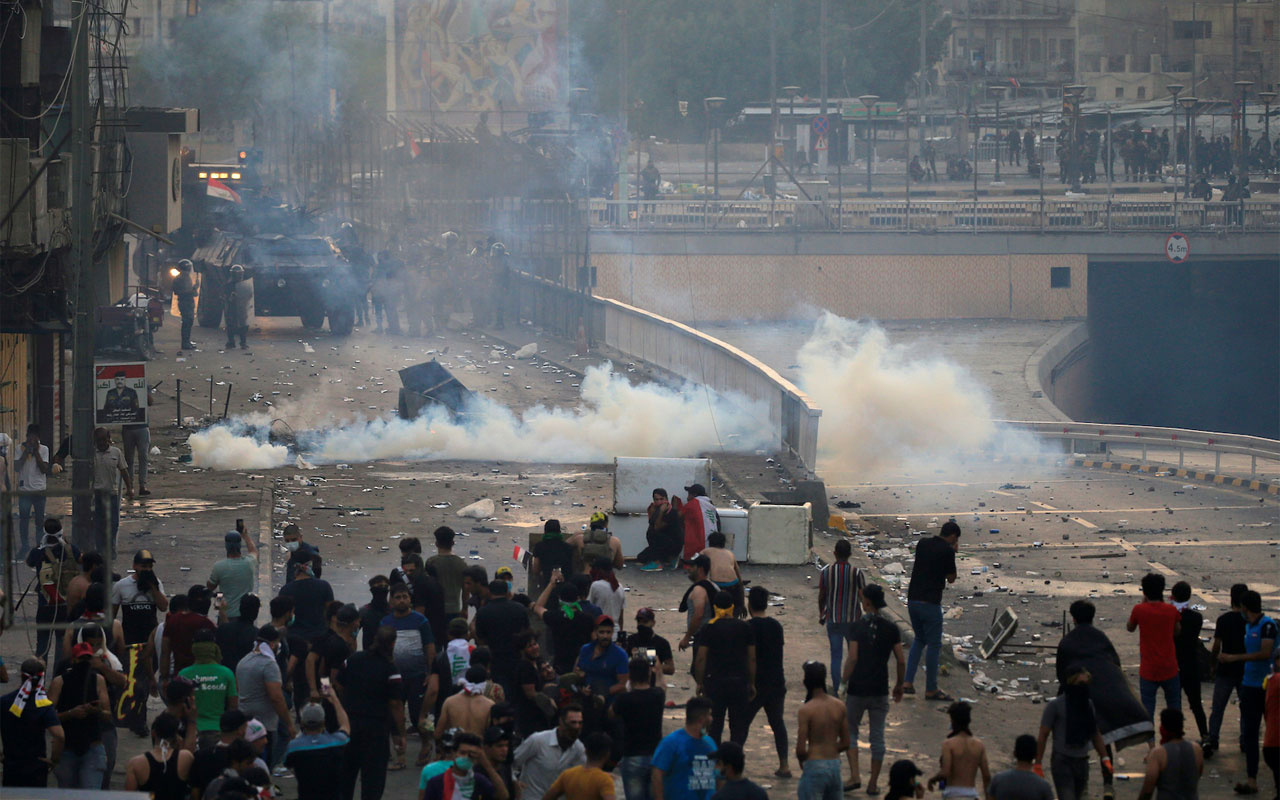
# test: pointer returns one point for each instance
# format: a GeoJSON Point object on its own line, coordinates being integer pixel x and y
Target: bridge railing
{"type": "Point", "coordinates": [1089, 214]}
{"type": "Point", "coordinates": [1158, 440]}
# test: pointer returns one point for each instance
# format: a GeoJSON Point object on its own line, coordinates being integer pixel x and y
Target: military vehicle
{"type": "Point", "coordinates": [301, 276]}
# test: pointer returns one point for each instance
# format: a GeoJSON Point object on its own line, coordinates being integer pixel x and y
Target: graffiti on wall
{"type": "Point", "coordinates": [477, 55]}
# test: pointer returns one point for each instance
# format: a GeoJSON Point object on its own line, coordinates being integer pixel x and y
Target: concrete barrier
{"type": "Point", "coordinates": [681, 352]}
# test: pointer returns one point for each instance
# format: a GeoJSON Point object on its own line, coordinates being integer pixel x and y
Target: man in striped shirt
{"type": "Point", "coordinates": [838, 607]}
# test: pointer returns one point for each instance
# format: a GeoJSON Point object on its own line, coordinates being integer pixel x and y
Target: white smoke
{"type": "Point", "coordinates": [613, 418]}
{"type": "Point", "coordinates": [885, 406]}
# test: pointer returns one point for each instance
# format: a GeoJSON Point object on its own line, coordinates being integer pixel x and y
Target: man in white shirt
{"type": "Point", "coordinates": [32, 465]}
{"type": "Point", "coordinates": [541, 758]}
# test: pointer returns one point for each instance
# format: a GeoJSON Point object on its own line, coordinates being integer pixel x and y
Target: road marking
{"type": "Point", "coordinates": [1099, 545]}
{"type": "Point", "coordinates": [1124, 545]}
{"type": "Point", "coordinates": [1004, 494]}
{"type": "Point", "coordinates": [1043, 505]}
{"type": "Point", "coordinates": [1084, 522]}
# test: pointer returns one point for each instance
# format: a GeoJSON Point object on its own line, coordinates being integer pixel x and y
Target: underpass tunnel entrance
{"type": "Point", "coordinates": [1192, 345]}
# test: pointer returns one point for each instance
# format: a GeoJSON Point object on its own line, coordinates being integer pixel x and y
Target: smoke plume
{"type": "Point", "coordinates": [613, 418]}
{"type": "Point", "coordinates": [884, 406]}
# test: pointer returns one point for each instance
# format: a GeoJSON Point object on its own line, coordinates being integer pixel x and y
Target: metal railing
{"type": "Point", "coordinates": [1050, 215]}
{"type": "Point", "coordinates": [1151, 439]}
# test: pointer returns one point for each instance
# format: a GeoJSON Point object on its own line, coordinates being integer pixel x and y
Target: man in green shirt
{"type": "Point", "coordinates": [236, 575]}
{"type": "Point", "coordinates": [449, 569]}
{"type": "Point", "coordinates": [215, 690]}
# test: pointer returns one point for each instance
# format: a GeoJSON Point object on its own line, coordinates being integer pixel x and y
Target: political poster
{"type": "Point", "coordinates": [120, 393]}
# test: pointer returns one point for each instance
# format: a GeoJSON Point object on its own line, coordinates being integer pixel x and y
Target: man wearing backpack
{"type": "Point", "coordinates": [596, 542]}
{"type": "Point", "coordinates": [56, 562]}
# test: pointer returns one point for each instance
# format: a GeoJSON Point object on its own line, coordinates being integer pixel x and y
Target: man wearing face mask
{"type": "Point", "coordinates": [299, 551]}
{"type": "Point", "coordinates": [471, 775]}
{"type": "Point", "coordinates": [259, 685]}
{"type": "Point", "coordinates": [645, 638]}
{"type": "Point", "coordinates": [372, 612]}
{"type": "Point", "coordinates": [310, 596]}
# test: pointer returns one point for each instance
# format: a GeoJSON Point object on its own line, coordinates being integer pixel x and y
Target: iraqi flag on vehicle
{"type": "Point", "coordinates": [219, 189]}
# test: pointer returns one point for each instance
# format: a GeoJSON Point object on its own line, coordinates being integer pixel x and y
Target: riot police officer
{"type": "Point", "coordinates": [184, 288]}
{"type": "Point", "coordinates": [500, 280]}
{"type": "Point", "coordinates": [239, 296]}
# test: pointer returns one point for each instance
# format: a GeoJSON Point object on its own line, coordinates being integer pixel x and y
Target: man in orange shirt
{"type": "Point", "coordinates": [1157, 623]}
{"type": "Point", "coordinates": [589, 782]}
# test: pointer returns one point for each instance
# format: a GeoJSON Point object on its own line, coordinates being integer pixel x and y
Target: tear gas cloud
{"type": "Point", "coordinates": [886, 407]}
{"type": "Point", "coordinates": [613, 418]}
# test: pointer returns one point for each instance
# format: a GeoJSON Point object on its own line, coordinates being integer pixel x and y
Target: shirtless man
{"type": "Point", "coordinates": [822, 737]}
{"type": "Point", "coordinates": [963, 754]}
{"type": "Point", "coordinates": [469, 708]}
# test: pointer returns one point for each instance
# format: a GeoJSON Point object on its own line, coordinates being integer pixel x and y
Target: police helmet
{"type": "Point", "coordinates": [185, 264]}
{"type": "Point", "coordinates": [498, 249]}
{"type": "Point", "coordinates": [347, 226]}
{"type": "Point", "coordinates": [448, 238]}
{"type": "Point", "coordinates": [237, 268]}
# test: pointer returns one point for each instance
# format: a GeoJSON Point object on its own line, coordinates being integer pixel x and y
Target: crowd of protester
{"type": "Point", "coordinates": [555, 692]}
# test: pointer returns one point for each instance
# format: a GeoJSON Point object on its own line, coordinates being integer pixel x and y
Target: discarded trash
{"type": "Point", "coordinates": [530, 349]}
{"type": "Point", "coordinates": [155, 451]}
{"type": "Point", "coordinates": [893, 569]}
{"type": "Point", "coordinates": [480, 509]}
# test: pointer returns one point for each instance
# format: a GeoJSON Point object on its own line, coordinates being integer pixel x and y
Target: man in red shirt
{"type": "Point", "coordinates": [1157, 623]}
{"type": "Point", "coordinates": [187, 614]}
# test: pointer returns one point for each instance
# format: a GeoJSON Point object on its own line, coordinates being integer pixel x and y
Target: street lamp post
{"type": "Point", "coordinates": [1076, 91]}
{"type": "Point", "coordinates": [998, 92]}
{"type": "Point", "coordinates": [1267, 99]}
{"type": "Point", "coordinates": [712, 106]}
{"type": "Point", "coordinates": [1242, 145]}
{"type": "Point", "coordinates": [1174, 89]}
{"type": "Point", "coordinates": [869, 100]}
{"type": "Point", "coordinates": [1189, 103]}
{"type": "Point", "coordinates": [791, 92]}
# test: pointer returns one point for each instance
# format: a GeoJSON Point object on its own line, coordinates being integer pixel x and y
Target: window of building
{"type": "Point", "coordinates": [1059, 277]}
{"type": "Point", "coordinates": [1142, 93]}
{"type": "Point", "coordinates": [1068, 50]}
{"type": "Point", "coordinates": [1033, 51]}
{"type": "Point", "coordinates": [1115, 64]}
{"type": "Point", "coordinates": [1017, 50]}
{"type": "Point", "coordinates": [1053, 50]}
{"type": "Point", "coordinates": [1246, 31]}
{"type": "Point", "coordinates": [1119, 92]}
{"type": "Point", "coordinates": [1186, 29]}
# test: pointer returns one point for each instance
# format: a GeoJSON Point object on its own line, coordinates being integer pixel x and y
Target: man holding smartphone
{"type": "Point", "coordinates": [236, 575]}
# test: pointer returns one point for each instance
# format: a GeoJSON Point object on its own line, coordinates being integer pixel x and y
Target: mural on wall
{"type": "Point", "coordinates": [477, 55]}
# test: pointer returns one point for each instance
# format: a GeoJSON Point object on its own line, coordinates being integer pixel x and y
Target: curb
{"type": "Point", "coordinates": [1159, 470]}
{"type": "Point", "coordinates": [266, 542]}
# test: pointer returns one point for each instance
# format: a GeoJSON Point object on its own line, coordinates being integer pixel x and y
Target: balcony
{"type": "Point", "coordinates": [989, 10]}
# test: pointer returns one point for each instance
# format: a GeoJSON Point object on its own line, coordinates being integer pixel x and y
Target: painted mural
{"type": "Point", "coordinates": [477, 55]}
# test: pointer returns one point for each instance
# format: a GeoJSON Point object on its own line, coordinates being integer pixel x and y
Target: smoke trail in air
{"type": "Point", "coordinates": [613, 418]}
{"type": "Point", "coordinates": [885, 407]}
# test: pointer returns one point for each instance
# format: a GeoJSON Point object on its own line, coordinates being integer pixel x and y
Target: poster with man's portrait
{"type": "Point", "coordinates": [120, 393]}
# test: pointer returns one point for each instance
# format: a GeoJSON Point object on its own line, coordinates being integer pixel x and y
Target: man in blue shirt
{"type": "Point", "coordinates": [1259, 641]}
{"type": "Point", "coordinates": [602, 663]}
{"type": "Point", "coordinates": [415, 648]}
{"type": "Point", "coordinates": [682, 765]}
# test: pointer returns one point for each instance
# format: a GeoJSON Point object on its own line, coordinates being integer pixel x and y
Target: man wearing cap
{"type": "Point", "coordinates": [299, 551]}
{"type": "Point", "coordinates": [644, 639]}
{"type": "Point", "coordinates": [317, 757]}
{"type": "Point", "coordinates": [26, 715]}
{"type": "Point", "coordinates": [237, 574]}
{"type": "Point", "coordinates": [601, 664]}
{"type": "Point", "coordinates": [215, 687]}
{"type": "Point", "coordinates": [700, 520]}
{"type": "Point", "coordinates": [136, 598]}
{"type": "Point", "coordinates": [211, 761]}
{"type": "Point", "coordinates": [872, 639]}
{"type": "Point", "coordinates": [79, 693]}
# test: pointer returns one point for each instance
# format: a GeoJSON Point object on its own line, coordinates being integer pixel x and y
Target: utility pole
{"type": "Point", "coordinates": [1235, 41]}
{"type": "Point", "coordinates": [773, 102]}
{"type": "Point", "coordinates": [822, 77]}
{"type": "Point", "coordinates": [82, 126]}
{"type": "Point", "coordinates": [624, 108]}
{"type": "Point", "coordinates": [920, 84]}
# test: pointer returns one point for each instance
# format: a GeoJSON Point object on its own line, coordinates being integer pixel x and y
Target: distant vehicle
{"type": "Point", "coordinates": [293, 276]}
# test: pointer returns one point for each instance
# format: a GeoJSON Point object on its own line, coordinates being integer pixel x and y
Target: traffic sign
{"type": "Point", "coordinates": [821, 125]}
{"type": "Point", "coordinates": [1177, 248]}
{"type": "Point", "coordinates": [820, 143]}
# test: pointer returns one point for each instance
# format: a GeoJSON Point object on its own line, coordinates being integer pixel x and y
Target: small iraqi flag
{"type": "Point", "coordinates": [219, 189]}
{"type": "Point", "coordinates": [414, 149]}
{"type": "Point", "coordinates": [522, 555]}
{"type": "Point", "coordinates": [1014, 83]}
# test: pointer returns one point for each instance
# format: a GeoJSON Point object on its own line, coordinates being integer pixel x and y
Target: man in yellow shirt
{"type": "Point", "coordinates": [589, 782]}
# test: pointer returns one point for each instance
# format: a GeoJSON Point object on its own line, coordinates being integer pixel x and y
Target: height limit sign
{"type": "Point", "coordinates": [1177, 248]}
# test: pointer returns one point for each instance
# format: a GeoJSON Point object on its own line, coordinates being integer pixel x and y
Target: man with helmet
{"type": "Point", "coordinates": [184, 288]}
{"type": "Point", "coordinates": [445, 288]}
{"type": "Point", "coordinates": [239, 296]}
